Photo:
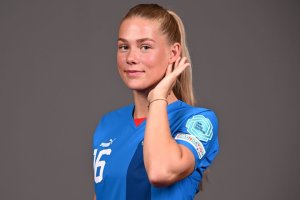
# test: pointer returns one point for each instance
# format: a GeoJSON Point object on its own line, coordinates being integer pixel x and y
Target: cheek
{"type": "Point", "coordinates": [149, 59]}
{"type": "Point", "coordinates": [120, 65]}
{"type": "Point", "coordinates": [161, 64]}
{"type": "Point", "coordinates": [155, 60]}
{"type": "Point", "coordinates": [120, 60]}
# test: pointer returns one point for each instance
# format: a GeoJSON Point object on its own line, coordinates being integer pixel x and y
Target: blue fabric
{"type": "Point", "coordinates": [119, 170]}
{"type": "Point", "coordinates": [137, 183]}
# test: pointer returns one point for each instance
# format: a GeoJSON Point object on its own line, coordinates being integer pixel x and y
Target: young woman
{"type": "Point", "coordinates": [159, 146]}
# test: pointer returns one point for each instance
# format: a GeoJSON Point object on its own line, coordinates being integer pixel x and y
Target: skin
{"type": "Point", "coordinates": [149, 65]}
{"type": "Point", "coordinates": [143, 50]}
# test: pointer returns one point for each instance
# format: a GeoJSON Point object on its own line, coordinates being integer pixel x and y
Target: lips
{"type": "Point", "coordinates": [134, 73]}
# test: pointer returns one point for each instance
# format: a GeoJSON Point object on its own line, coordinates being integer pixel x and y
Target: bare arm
{"type": "Point", "coordinates": [165, 161]}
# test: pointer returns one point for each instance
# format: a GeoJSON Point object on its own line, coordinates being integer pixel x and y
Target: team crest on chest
{"type": "Point", "coordinates": [200, 127]}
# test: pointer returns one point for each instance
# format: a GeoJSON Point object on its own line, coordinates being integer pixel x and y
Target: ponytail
{"type": "Point", "coordinates": [183, 88]}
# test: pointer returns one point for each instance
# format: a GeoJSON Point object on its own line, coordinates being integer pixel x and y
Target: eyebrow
{"type": "Point", "coordinates": [138, 41]}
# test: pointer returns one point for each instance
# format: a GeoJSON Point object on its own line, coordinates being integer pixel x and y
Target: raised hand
{"type": "Point", "coordinates": [164, 87]}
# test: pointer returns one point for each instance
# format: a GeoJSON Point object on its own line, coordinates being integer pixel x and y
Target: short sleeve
{"type": "Point", "coordinates": [199, 133]}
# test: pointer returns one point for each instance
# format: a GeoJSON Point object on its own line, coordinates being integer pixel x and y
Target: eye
{"type": "Point", "coordinates": [123, 47]}
{"type": "Point", "coordinates": [145, 47]}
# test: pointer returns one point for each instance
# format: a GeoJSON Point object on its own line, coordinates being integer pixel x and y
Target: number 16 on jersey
{"type": "Point", "coordinates": [99, 164]}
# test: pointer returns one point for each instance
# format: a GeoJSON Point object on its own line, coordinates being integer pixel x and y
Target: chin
{"type": "Point", "coordinates": [141, 86]}
{"type": "Point", "coordinates": [136, 87]}
{"type": "Point", "coordinates": [136, 84]}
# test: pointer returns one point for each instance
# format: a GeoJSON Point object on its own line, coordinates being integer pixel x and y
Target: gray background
{"type": "Point", "coordinates": [58, 77]}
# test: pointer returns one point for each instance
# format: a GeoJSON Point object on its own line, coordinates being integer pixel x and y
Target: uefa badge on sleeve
{"type": "Point", "coordinates": [200, 127]}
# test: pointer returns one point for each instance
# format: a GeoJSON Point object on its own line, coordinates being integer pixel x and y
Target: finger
{"type": "Point", "coordinates": [177, 62]}
{"type": "Point", "coordinates": [172, 66]}
{"type": "Point", "coordinates": [181, 68]}
{"type": "Point", "coordinates": [183, 64]}
{"type": "Point", "coordinates": [183, 61]}
{"type": "Point", "coordinates": [169, 69]}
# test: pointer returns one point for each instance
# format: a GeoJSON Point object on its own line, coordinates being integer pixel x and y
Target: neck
{"type": "Point", "coordinates": [141, 103]}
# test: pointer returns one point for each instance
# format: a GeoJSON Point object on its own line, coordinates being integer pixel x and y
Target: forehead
{"type": "Point", "coordinates": [138, 27]}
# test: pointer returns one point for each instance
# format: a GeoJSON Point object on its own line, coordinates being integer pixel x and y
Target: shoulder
{"type": "Point", "coordinates": [122, 111]}
{"type": "Point", "coordinates": [111, 122]}
{"type": "Point", "coordinates": [191, 115]}
{"type": "Point", "coordinates": [201, 118]}
{"type": "Point", "coordinates": [198, 130]}
{"type": "Point", "coordinates": [197, 121]}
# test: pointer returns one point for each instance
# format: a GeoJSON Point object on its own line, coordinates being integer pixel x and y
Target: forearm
{"type": "Point", "coordinates": [162, 155]}
{"type": "Point", "coordinates": [165, 161]}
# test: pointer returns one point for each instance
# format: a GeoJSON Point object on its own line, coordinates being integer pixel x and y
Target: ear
{"type": "Point", "coordinates": [175, 52]}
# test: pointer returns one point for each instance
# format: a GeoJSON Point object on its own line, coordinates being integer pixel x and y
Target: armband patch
{"type": "Point", "coordinates": [193, 141]}
{"type": "Point", "coordinates": [200, 127]}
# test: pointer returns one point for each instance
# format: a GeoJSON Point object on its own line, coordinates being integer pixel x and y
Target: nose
{"type": "Point", "coordinates": [131, 57]}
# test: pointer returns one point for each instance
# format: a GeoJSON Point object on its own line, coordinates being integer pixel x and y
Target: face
{"type": "Point", "coordinates": [143, 53]}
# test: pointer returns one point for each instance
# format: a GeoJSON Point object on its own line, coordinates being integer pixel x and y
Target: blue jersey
{"type": "Point", "coordinates": [119, 171]}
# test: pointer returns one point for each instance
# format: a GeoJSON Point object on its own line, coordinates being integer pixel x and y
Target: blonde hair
{"type": "Point", "coordinates": [172, 26]}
